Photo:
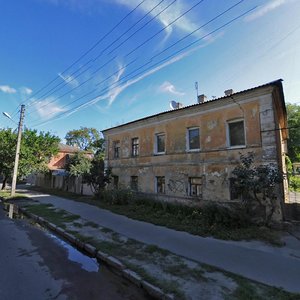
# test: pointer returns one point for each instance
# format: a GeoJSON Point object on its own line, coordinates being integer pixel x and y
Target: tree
{"type": "Point", "coordinates": [293, 115]}
{"type": "Point", "coordinates": [79, 165]}
{"type": "Point", "coordinates": [35, 152]}
{"type": "Point", "coordinates": [257, 187]}
{"type": "Point", "coordinates": [98, 177]}
{"type": "Point", "coordinates": [86, 139]}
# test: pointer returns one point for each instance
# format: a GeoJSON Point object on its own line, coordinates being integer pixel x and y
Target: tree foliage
{"type": "Point", "coordinates": [78, 165]}
{"type": "Point", "coordinates": [86, 139]}
{"type": "Point", "coordinates": [35, 152]}
{"type": "Point", "coordinates": [293, 115]}
{"type": "Point", "coordinates": [257, 187]}
{"type": "Point", "coordinates": [98, 177]}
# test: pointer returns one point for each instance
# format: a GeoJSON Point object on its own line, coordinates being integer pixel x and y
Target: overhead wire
{"type": "Point", "coordinates": [84, 54]}
{"type": "Point", "coordinates": [103, 91]}
{"type": "Point", "coordinates": [70, 78]}
{"type": "Point", "coordinates": [91, 77]}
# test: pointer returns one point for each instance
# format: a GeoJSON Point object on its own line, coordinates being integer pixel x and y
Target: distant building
{"type": "Point", "coordinates": [59, 161]}
{"type": "Point", "coordinates": [188, 154]}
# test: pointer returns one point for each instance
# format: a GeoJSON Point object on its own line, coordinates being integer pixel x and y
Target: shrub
{"type": "Point", "coordinates": [116, 196]}
{"type": "Point", "coordinates": [229, 217]}
{"type": "Point", "coordinates": [294, 182]}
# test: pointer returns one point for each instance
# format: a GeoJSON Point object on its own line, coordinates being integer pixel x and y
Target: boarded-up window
{"type": "Point", "coordinates": [195, 186]}
{"type": "Point", "coordinates": [160, 185]}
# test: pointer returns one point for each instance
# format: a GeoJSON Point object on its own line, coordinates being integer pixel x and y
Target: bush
{"type": "Point", "coordinates": [294, 182]}
{"type": "Point", "coordinates": [116, 196]}
{"type": "Point", "coordinates": [216, 214]}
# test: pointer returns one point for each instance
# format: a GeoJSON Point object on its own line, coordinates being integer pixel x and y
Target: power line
{"type": "Point", "coordinates": [63, 84]}
{"type": "Point", "coordinates": [164, 28]}
{"type": "Point", "coordinates": [156, 64]}
{"type": "Point", "coordinates": [87, 51]}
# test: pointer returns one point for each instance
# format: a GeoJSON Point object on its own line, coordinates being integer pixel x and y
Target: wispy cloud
{"type": "Point", "coordinates": [265, 9]}
{"type": "Point", "coordinates": [69, 79]}
{"type": "Point", "coordinates": [47, 108]}
{"type": "Point", "coordinates": [7, 89]}
{"type": "Point", "coordinates": [185, 24]}
{"type": "Point", "coordinates": [168, 87]}
{"type": "Point", "coordinates": [26, 91]}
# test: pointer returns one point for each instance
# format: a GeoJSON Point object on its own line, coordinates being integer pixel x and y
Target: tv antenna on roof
{"type": "Point", "coordinates": [196, 88]}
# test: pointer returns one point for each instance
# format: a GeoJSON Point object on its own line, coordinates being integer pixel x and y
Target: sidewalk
{"type": "Point", "coordinates": [278, 267]}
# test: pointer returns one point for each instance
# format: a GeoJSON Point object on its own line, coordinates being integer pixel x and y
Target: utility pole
{"type": "Point", "coordinates": [14, 179]}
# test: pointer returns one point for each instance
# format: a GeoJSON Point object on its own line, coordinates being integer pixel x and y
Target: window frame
{"type": "Point", "coordinates": [188, 139]}
{"type": "Point", "coordinates": [134, 185]}
{"type": "Point", "coordinates": [190, 187]}
{"type": "Point", "coordinates": [116, 148]}
{"type": "Point", "coordinates": [157, 179]}
{"type": "Point", "coordinates": [228, 133]}
{"type": "Point", "coordinates": [157, 135]}
{"type": "Point", "coordinates": [135, 147]}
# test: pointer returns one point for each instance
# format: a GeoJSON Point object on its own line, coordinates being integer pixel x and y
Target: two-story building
{"type": "Point", "coordinates": [188, 154]}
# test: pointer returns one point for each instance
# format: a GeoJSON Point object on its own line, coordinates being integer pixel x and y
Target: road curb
{"type": "Point", "coordinates": [115, 264]}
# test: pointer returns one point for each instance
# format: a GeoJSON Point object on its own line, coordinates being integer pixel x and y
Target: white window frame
{"type": "Point", "coordinates": [228, 133]}
{"type": "Point", "coordinates": [188, 139]}
{"type": "Point", "coordinates": [156, 144]}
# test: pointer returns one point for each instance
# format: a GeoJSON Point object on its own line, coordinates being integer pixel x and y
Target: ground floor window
{"type": "Point", "coordinates": [134, 183]}
{"type": "Point", "coordinates": [195, 186]}
{"type": "Point", "coordinates": [232, 189]}
{"type": "Point", "coordinates": [116, 181]}
{"type": "Point", "coordinates": [160, 185]}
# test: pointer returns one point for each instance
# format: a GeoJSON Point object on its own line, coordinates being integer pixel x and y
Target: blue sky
{"type": "Point", "coordinates": [139, 55]}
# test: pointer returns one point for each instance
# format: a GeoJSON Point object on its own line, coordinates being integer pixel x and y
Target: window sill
{"type": "Point", "coordinates": [193, 150]}
{"type": "Point", "coordinates": [160, 153]}
{"type": "Point", "coordinates": [237, 147]}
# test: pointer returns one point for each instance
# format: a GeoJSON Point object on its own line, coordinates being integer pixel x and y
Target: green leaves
{"type": "Point", "coordinates": [293, 115]}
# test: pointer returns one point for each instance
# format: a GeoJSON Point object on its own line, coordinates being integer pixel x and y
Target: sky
{"type": "Point", "coordinates": [102, 63]}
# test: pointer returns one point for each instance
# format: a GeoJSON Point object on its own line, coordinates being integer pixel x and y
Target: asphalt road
{"type": "Point", "coordinates": [35, 265]}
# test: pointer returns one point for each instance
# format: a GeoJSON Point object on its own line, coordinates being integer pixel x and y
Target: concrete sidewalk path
{"type": "Point", "coordinates": [274, 266]}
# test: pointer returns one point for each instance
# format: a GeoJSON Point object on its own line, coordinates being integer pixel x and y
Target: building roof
{"type": "Point", "coordinates": [277, 83]}
{"type": "Point", "coordinates": [71, 149]}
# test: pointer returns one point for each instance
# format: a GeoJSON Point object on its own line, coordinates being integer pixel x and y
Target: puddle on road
{"type": "Point", "coordinates": [87, 263]}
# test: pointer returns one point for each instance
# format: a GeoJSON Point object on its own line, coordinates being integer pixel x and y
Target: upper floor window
{"type": "Point", "coordinates": [193, 138]}
{"type": "Point", "coordinates": [135, 147]}
{"type": "Point", "coordinates": [160, 185]}
{"type": "Point", "coordinates": [236, 133]}
{"type": "Point", "coordinates": [117, 149]}
{"type": "Point", "coordinates": [160, 143]}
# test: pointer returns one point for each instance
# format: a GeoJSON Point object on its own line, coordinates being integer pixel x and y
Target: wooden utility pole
{"type": "Point", "coordinates": [14, 179]}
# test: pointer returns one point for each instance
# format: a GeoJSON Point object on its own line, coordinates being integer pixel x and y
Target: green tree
{"type": "Point", "coordinates": [257, 187]}
{"type": "Point", "coordinates": [98, 177]}
{"type": "Point", "coordinates": [79, 165]}
{"type": "Point", "coordinates": [35, 152]}
{"type": "Point", "coordinates": [86, 139]}
{"type": "Point", "coordinates": [293, 115]}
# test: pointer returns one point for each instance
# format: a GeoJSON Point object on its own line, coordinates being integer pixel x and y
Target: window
{"type": "Point", "coordinates": [195, 186]}
{"type": "Point", "coordinates": [160, 184]}
{"type": "Point", "coordinates": [134, 183]}
{"type": "Point", "coordinates": [160, 143]}
{"type": "Point", "coordinates": [135, 147]}
{"type": "Point", "coordinates": [236, 133]}
{"type": "Point", "coordinates": [193, 139]}
{"type": "Point", "coordinates": [116, 149]}
{"type": "Point", "coordinates": [232, 189]}
{"type": "Point", "coordinates": [116, 182]}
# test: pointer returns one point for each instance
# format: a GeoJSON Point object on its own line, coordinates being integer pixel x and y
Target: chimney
{"type": "Point", "coordinates": [228, 92]}
{"type": "Point", "coordinates": [201, 98]}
